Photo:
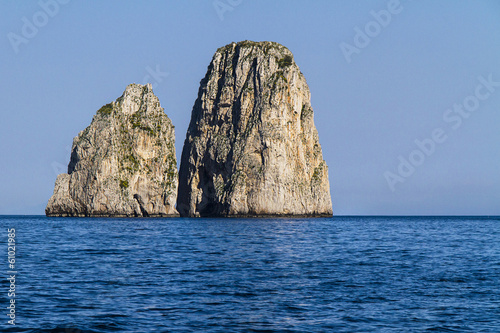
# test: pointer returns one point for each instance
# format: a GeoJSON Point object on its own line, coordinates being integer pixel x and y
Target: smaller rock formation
{"type": "Point", "coordinates": [252, 148]}
{"type": "Point", "coordinates": [123, 164]}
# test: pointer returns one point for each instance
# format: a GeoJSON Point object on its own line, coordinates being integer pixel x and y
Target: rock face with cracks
{"type": "Point", "coordinates": [123, 164]}
{"type": "Point", "coordinates": [252, 148]}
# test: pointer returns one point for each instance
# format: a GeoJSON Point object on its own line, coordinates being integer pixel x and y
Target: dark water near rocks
{"type": "Point", "coordinates": [344, 274]}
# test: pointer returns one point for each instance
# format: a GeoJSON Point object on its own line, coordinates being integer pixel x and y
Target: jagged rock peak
{"type": "Point", "coordinates": [252, 148]}
{"type": "Point", "coordinates": [135, 95]}
{"type": "Point", "coordinates": [123, 163]}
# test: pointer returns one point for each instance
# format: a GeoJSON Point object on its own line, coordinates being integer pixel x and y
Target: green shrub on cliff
{"type": "Point", "coordinates": [106, 109]}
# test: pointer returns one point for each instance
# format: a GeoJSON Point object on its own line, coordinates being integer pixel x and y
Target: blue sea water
{"type": "Point", "coordinates": [340, 274]}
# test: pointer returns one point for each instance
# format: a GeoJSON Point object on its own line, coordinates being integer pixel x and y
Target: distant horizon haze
{"type": "Point", "coordinates": [406, 94]}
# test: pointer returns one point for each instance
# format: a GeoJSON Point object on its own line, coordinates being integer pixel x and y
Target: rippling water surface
{"type": "Point", "coordinates": [343, 274]}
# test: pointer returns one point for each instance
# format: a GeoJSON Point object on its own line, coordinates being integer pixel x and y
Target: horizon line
{"type": "Point", "coordinates": [347, 215]}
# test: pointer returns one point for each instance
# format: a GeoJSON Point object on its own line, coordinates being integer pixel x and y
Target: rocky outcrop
{"type": "Point", "coordinates": [123, 164]}
{"type": "Point", "coordinates": [252, 148]}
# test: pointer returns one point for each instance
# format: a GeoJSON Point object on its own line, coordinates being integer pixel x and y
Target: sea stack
{"type": "Point", "coordinates": [252, 148]}
{"type": "Point", "coordinates": [123, 164]}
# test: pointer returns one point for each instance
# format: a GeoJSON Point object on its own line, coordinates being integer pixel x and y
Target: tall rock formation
{"type": "Point", "coordinates": [252, 148]}
{"type": "Point", "coordinates": [123, 164]}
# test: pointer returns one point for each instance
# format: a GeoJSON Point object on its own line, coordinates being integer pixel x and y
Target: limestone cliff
{"type": "Point", "coordinates": [123, 164]}
{"type": "Point", "coordinates": [252, 148]}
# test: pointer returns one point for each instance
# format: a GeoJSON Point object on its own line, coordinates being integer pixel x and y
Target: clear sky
{"type": "Point", "coordinates": [406, 96]}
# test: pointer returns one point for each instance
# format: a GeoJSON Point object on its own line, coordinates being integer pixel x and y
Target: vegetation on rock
{"type": "Point", "coordinates": [123, 164]}
{"type": "Point", "coordinates": [252, 147]}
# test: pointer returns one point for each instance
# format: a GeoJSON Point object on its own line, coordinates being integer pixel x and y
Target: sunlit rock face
{"type": "Point", "coordinates": [123, 164]}
{"type": "Point", "coordinates": [252, 148]}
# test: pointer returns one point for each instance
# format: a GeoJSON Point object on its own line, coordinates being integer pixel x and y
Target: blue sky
{"type": "Point", "coordinates": [400, 85]}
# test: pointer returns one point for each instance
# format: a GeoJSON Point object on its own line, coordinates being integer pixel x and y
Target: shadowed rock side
{"type": "Point", "coordinates": [252, 148]}
{"type": "Point", "coordinates": [123, 164]}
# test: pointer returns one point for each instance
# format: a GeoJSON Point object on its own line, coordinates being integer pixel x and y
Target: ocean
{"type": "Point", "coordinates": [340, 274]}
